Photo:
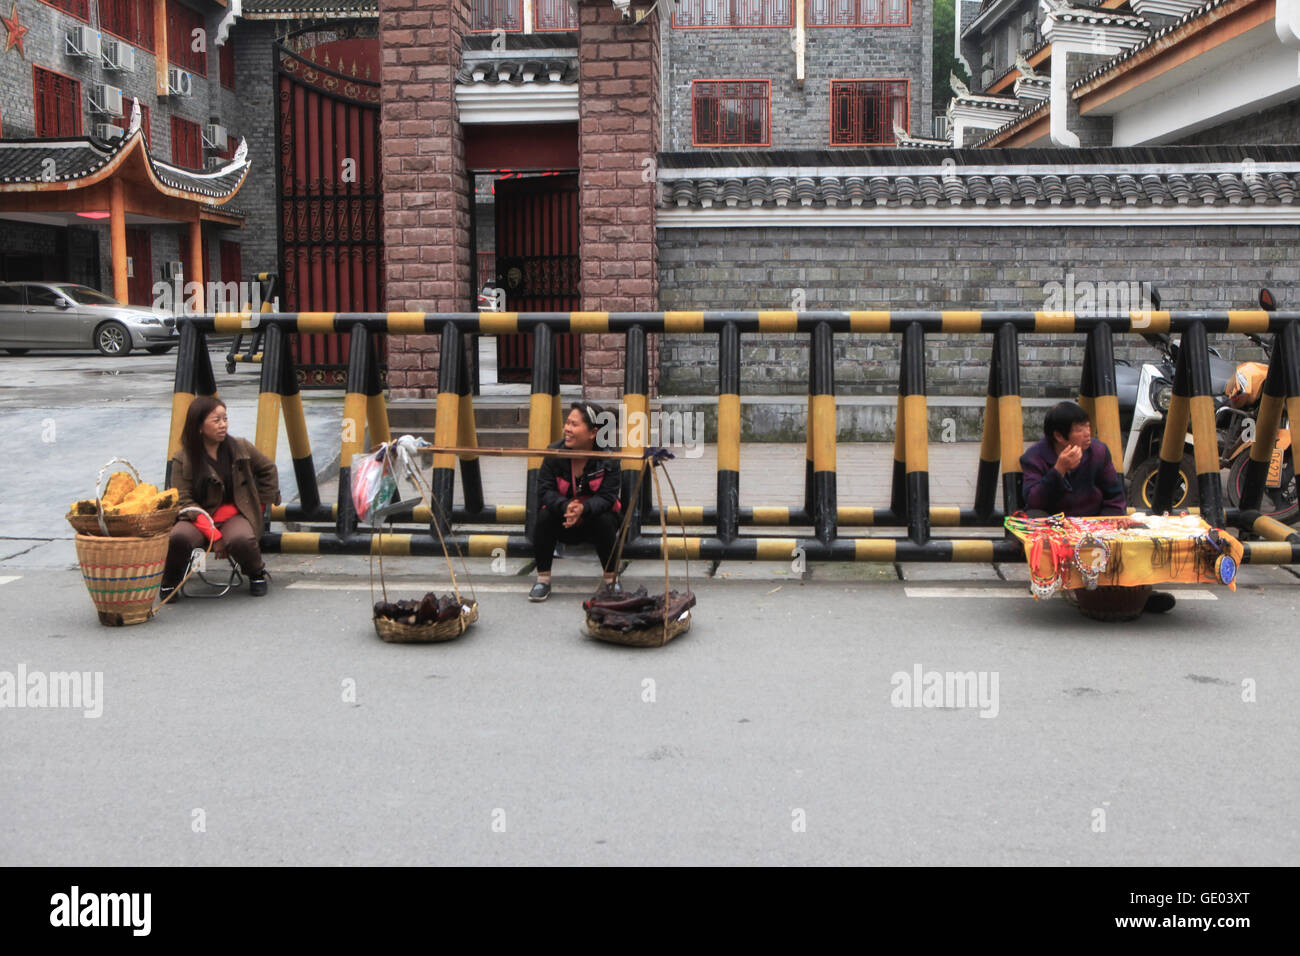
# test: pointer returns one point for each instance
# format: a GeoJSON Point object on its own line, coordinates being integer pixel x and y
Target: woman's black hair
{"type": "Point", "coordinates": [594, 417]}
{"type": "Point", "coordinates": [192, 434]}
{"type": "Point", "coordinates": [1061, 419]}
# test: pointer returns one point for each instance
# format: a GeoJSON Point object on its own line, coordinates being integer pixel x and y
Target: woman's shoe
{"type": "Point", "coordinates": [257, 583]}
{"type": "Point", "coordinates": [165, 592]}
{"type": "Point", "coordinates": [540, 592]}
{"type": "Point", "coordinates": [1159, 602]}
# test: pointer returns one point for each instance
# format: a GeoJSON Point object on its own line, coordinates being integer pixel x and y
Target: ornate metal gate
{"type": "Point", "coordinates": [331, 231]}
{"type": "Point", "coordinates": [537, 264]}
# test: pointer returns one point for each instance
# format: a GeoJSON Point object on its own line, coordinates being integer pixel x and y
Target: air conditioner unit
{"type": "Point", "coordinates": [107, 99]}
{"type": "Point", "coordinates": [119, 55]}
{"type": "Point", "coordinates": [214, 162]}
{"type": "Point", "coordinates": [179, 83]}
{"type": "Point", "coordinates": [1027, 20]}
{"type": "Point", "coordinates": [109, 131]}
{"type": "Point", "coordinates": [986, 60]}
{"type": "Point", "coordinates": [215, 136]}
{"type": "Point", "coordinates": [82, 41]}
{"type": "Point", "coordinates": [173, 270]}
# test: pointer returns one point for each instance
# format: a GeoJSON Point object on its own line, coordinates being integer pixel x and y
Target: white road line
{"type": "Point", "coordinates": [1190, 594]}
{"type": "Point", "coordinates": [520, 588]}
{"type": "Point", "coordinates": [6, 578]}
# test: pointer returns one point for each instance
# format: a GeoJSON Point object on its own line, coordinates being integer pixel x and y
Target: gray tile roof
{"type": "Point", "coordinates": [1170, 176]}
{"type": "Point", "coordinates": [517, 70]}
{"type": "Point", "coordinates": [25, 161]}
{"type": "Point", "coordinates": [309, 9]}
{"type": "Point", "coordinates": [1155, 37]}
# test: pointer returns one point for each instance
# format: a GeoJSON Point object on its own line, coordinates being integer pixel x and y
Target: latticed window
{"type": "Point", "coordinates": [730, 112]}
{"type": "Point", "coordinates": [497, 15]}
{"type": "Point", "coordinates": [187, 143]}
{"type": "Point", "coordinates": [859, 13]}
{"type": "Point", "coordinates": [554, 15]}
{"type": "Point", "coordinates": [58, 103]}
{"type": "Point", "coordinates": [78, 8]}
{"type": "Point", "coordinates": [864, 112]}
{"type": "Point", "coordinates": [129, 20]}
{"type": "Point", "coordinates": [182, 40]}
{"type": "Point", "coordinates": [734, 13]}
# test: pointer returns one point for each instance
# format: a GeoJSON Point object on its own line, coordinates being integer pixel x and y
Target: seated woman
{"type": "Point", "coordinates": [229, 479]}
{"type": "Point", "coordinates": [1069, 472]}
{"type": "Point", "coordinates": [577, 499]}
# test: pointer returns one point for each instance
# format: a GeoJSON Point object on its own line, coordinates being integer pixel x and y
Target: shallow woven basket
{"type": "Point", "coordinates": [122, 575]}
{"type": "Point", "coordinates": [641, 637]}
{"type": "Point", "coordinates": [126, 526]}
{"type": "Point", "coordinates": [1112, 603]}
{"type": "Point", "coordinates": [397, 633]}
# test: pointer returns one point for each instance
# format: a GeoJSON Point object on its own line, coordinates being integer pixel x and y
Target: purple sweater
{"type": "Point", "coordinates": [1093, 488]}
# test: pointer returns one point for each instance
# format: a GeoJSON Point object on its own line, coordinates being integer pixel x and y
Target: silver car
{"type": "Point", "coordinates": [63, 315]}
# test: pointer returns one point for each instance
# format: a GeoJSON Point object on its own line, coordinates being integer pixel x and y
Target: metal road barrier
{"type": "Point", "coordinates": [910, 509]}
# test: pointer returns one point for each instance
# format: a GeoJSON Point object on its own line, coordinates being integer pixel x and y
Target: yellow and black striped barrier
{"type": "Point", "coordinates": [333, 528]}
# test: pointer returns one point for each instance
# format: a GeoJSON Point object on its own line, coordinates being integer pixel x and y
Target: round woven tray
{"type": "Point", "coordinates": [125, 526]}
{"type": "Point", "coordinates": [643, 637]}
{"type": "Point", "coordinates": [122, 575]}
{"type": "Point", "coordinates": [395, 633]}
{"type": "Point", "coordinates": [1112, 603]}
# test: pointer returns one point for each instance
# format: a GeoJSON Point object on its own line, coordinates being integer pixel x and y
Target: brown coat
{"type": "Point", "coordinates": [257, 483]}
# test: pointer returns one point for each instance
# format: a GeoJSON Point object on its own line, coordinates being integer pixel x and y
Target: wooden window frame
{"type": "Point", "coordinates": [907, 102]}
{"type": "Point", "coordinates": [884, 25]}
{"type": "Point", "coordinates": [146, 17]}
{"type": "Point", "coordinates": [78, 111]}
{"type": "Point", "coordinates": [735, 26]}
{"type": "Point", "coordinates": [198, 138]}
{"type": "Point", "coordinates": [71, 13]}
{"type": "Point", "coordinates": [181, 56]}
{"type": "Point", "coordinates": [767, 141]}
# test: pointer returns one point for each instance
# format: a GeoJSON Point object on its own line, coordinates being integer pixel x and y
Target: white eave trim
{"type": "Point", "coordinates": [1117, 215]}
{"type": "Point", "coordinates": [939, 169]}
{"type": "Point", "coordinates": [503, 103]}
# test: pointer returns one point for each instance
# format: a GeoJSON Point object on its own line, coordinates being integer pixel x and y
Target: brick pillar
{"type": "Point", "coordinates": [618, 139]}
{"type": "Point", "coordinates": [426, 188]}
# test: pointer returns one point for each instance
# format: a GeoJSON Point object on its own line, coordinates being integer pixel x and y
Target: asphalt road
{"type": "Point", "coordinates": [282, 730]}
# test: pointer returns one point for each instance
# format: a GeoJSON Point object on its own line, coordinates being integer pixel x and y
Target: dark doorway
{"type": "Point", "coordinates": [538, 266]}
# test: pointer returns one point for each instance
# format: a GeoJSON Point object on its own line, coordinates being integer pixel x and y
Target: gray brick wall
{"type": "Point", "coordinates": [917, 268]}
{"type": "Point", "coordinates": [248, 110]}
{"type": "Point", "coordinates": [800, 114]}
{"type": "Point", "coordinates": [1277, 124]}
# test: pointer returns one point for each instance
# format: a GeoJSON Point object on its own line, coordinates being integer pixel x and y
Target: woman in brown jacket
{"type": "Point", "coordinates": [229, 479]}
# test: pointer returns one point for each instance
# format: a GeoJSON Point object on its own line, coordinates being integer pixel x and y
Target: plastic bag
{"type": "Point", "coordinates": [372, 487]}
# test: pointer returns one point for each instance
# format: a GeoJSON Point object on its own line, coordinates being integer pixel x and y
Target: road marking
{"type": "Point", "coordinates": [6, 578]}
{"type": "Point", "coordinates": [520, 588]}
{"type": "Point", "coordinates": [1190, 594]}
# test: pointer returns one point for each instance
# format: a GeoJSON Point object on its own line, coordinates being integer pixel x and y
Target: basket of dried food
{"type": "Point", "coordinates": [124, 507]}
{"type": "Point", "coordinates": [640, 619]}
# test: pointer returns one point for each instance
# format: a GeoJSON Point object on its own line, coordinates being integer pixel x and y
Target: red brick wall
{"type": "Point", "coordinates": [618, 132]}
{"type": "Point", "coordinates": [425, 185]}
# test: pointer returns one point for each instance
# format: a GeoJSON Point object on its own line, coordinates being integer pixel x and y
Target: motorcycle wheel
{"type": "Point", "coordinates": [1281, 503]}
{"type": "Point", "coordinates": [1142, 485]}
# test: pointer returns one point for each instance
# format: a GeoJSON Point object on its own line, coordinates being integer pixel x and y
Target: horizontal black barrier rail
{"type": "Point", "coordinates": [332, 528]}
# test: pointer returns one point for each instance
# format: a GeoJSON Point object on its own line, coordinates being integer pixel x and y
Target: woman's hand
{"type": "Point", "coordinates": [572, 513]}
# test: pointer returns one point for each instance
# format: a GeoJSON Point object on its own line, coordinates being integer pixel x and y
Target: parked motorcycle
{"type": "Point", "coordinates": [1151, 397]}
{"type": "Point", "coordinates": [1236, 420]}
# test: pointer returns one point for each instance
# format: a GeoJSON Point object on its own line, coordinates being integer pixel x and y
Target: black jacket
{"type": "Point", "coordinates": [600, 481]}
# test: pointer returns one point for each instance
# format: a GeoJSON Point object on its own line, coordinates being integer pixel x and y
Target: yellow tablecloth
{"type": "Point", "coordinates": [1156, 550]}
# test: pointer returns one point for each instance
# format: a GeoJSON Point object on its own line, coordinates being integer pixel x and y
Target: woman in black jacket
{"type": "Point", "coordinates": [577, 498]}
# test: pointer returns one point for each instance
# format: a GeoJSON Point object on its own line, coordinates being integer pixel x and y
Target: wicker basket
{"type": "Point", "coordinates": [122, 575]}
{"type": "Point", "coordinates": [122, 526]}
{"type": "Point", "coordinates": [397, 633]}
{"type": "Point", "coordinates": [125, 526]}
{"type": "Point", "coordinates": [656, 636]}
{"type": "Point", "coordinates": [1112, 603]}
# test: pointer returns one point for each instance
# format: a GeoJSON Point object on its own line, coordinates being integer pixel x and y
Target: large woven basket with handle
{"type": "Point", "coordinates": [121, 526]}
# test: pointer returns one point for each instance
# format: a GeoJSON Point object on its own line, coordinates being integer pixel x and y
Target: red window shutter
{"type": "Point", "coordinates": [226, 64]}
{"type": "Point", "coordinates": [77, 8]}
{"type": "Point", "coordinates": [730, 112]}
{"type": "Point", "coordinates": [58, 103]}
{"type": "Point", "coordinates": [181, 24]}
{"type": "Point", "coordinates": [140, 285]}
{"type": "Point", "coordinates": [864, 112]}
{"type": "Point", "coordinates": [187, 144]}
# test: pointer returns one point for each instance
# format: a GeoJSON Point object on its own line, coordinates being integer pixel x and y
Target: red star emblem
{"type": "Point", "coordinates": [16, 31]}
